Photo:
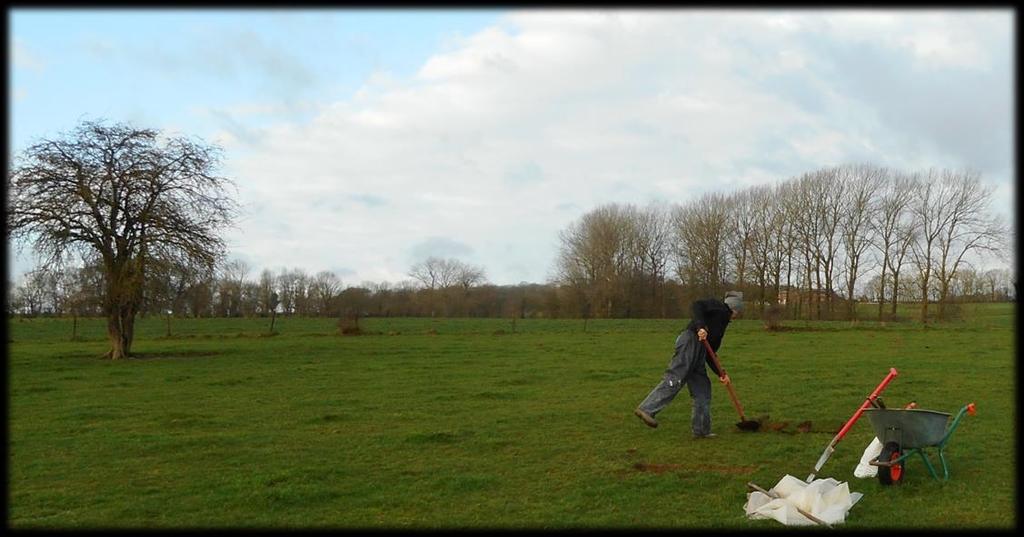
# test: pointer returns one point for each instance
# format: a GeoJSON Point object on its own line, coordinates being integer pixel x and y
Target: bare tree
{"type": "Point", "coordinates": [435, 273]}
{"type": "Point", "coordinates": [268, 296]}
{"type": "Point", "coordinates": [893, 201]}
{"type": "Point", "coordinates": [653, 232]}
{"type": "Point", "coordinates": [126, 194]}
{"type": "Point", "coordinates": [969, 228]}
{"type": "Point", "coordinates": [787, 199]}
{"type": "Point", "coordinates": [468, 276]}
{"type": "Point", "coordinates": [31, 294]}
{"type": "Point", "coordinates": [286, 281]}
{"type": "Point", "coordinates": [858, 213]}
{"type": "Point", "coordinates": [832, 192]}
{"type": "Point", "coordinates": [807, 210]}
{"type": "Point", "coordinates": [231, 284]}
{"type": "Point", "coordinates": [199, 297]}
{"type": "Point", "coordinates": [702, 229]}
{"type": "Point", "coordinates": [906, 233]}
{"type": "Point", "coordinates": [932, 209]}
{"type": "Point", "coordinates": [323, 290]}
{"type": "Point", "coordinates": [765, 241]}
{"type": "Point", "coordinates": [741, 214]}
{"type": "Point", "coordinates": [302, 296]}
{"type": "Point", "coordinates": [596, 256]}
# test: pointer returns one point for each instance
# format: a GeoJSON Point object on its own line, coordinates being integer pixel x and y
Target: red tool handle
{"type": "Point", "coordinates": [728, 385]}
{"type": "Point", "coordinates": [885, 382]}
{"type": "Point", "coordinates": [714, 357]}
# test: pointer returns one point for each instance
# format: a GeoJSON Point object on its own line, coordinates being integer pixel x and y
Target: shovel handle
{"type": "Point", "coordinates": [714, 357]}
{"type": "Point", "coordinates": [874, 395]}
{"type": "Point", "coordinates": [728, 385]}
{"type": "Point", "coordinates": [842, 432]}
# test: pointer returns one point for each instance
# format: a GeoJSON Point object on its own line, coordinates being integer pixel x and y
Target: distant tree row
{"type": "Point", "coordinates": [816, 245]}
{"type": "Point", "coordinates": [809, 243]}
{"type": "Point", "coordinates": [143, 211]}
{"type": "Point", "coordinates": [78, 292]}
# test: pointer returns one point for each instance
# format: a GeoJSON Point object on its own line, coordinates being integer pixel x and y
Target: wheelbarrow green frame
{"type": "Point", "coordinates": [941, 445]}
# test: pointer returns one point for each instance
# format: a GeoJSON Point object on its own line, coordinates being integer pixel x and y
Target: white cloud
{"type": "Point", "coordinates": [604, 107]}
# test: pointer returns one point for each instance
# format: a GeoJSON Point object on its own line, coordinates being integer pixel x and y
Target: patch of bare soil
{"type": "Point", "coordinates": [679, 468]}
{"type": "Point", "coordinates": [172, 355]}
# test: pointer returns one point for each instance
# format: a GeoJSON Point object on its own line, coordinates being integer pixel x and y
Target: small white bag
{"type": "Point", "coordinates": [863, 468]}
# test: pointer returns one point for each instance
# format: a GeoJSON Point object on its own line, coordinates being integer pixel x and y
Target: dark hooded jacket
{"type": "Point", "coordinates": [714, 315]}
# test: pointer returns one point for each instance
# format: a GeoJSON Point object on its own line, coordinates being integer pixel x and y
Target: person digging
{"type": "Point", "coordinates": [710, 319]}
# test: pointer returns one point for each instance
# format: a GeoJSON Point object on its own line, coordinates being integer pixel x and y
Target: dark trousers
{"type": "Point", "coordinates": [686, 367]}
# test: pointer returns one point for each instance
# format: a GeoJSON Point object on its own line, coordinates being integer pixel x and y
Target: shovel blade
{"type": "Point", "coordinates": [752, 425]}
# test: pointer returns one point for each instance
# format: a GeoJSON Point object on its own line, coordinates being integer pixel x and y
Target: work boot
{"type": "Point", "coordinates": [709, 435]}
{"type": "Point", "coordinates": [647, 418]}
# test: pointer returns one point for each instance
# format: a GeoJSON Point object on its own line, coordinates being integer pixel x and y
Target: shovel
{"type": "Point", "coordinates": [831, 447]}
{"type": "Point", "coordinates": [744, 424]}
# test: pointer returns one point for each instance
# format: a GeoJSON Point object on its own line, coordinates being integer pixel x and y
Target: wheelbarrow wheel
{"type": "Point", "coordinates": [890, 475]}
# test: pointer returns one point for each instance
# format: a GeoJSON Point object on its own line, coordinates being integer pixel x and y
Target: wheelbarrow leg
{"type": "Point", "coordinates": [967, 409]}
{"type": "Point", "coordinates": [945, 467]}
{"type": "Point", "coordinates": [928, 463]}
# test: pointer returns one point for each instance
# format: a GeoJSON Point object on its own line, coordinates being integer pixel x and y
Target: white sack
{"type": "Point", "coordinates": [864, 469]}
{"type": "Point", "coordinates": [826, 499]}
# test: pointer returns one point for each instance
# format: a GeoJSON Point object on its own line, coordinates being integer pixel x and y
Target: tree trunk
{"type": "Point", "coordinates": [120, 332]}
{"type": "Point", "coordinates": [881, 294]}
{"type": "Point", "coordinates": [817, 293]}
{"type": "Point", "coordinates": [924, 300]}
{"type": "Point", "coordinates": [895, 291]}
{"type": "Point", "coordinates": [943, 296]}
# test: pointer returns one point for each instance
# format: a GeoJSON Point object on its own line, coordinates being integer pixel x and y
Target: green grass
{"type": "Point", "coordinates": [464, 424]}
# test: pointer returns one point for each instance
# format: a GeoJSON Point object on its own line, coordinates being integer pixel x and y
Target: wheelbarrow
{"type": "Point", "coordinates": [906, 432]}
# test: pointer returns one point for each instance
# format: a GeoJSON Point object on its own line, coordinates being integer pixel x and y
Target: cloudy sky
{"type": "Point", "coordinates": [364, 141]}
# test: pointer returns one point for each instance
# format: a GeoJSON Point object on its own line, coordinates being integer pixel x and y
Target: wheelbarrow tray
{"type": "Point", "coordinates": [912, 427]}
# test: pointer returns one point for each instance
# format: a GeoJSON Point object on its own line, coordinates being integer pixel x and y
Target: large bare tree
{"type": "Point", "coordinates": [596, 256]}
{"type": "Point", "coordinates": [932, 209]}
{"type": "Point", "coordinates": [765, 240]}
{"type": "Point", "coordinates": [440, 277]}
{"type": "Point", "coordinates": [129, 195]}
{"type": "Point", "coordinates": [702, 229]}
{"type": "Point", "coordinates": [435, 273]}
{"type": "Point", "coordinates": [862, 183]}
{"type": "Point", "coordinates": [970, 228]}
{"type": "Point", "coordinates": [807, 210]}
{"type": "Point", "coordinates": [893, 200]}
{"type": "Point", "coordinates": [324, 288]}
{"type": "Point", "coordinates": [741, 239]}
{"type": "Point", "coordinates": [654, 241]}
{"type": "Point", "coordinates": [832, 192]}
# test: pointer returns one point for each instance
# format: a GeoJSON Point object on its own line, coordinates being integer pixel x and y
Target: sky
{"type": "Point", "coordinates": [363, 141]}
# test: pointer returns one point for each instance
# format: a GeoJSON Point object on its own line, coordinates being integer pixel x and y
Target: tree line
{"type": "Point", "coordinates": [129, 222]}
{"type": "Point", "coordinates": [815, 246]}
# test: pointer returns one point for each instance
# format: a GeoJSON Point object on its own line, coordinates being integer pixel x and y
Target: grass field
{"type": "Point", "coordinates": [465, 423]}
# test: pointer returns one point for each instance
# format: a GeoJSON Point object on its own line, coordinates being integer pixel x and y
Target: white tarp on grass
{"type": "Point", "coordinates": [826, 499]}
